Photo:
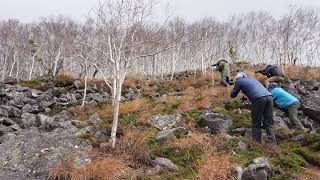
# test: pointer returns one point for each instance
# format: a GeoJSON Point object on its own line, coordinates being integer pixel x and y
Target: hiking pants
{"type": "Point", "coordinates": [262, 112]}
{"type": "Point", "coordinates": [293, 115]}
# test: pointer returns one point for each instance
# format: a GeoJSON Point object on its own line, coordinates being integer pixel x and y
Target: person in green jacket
{"type": "Point", "coordinates": [224, 68]}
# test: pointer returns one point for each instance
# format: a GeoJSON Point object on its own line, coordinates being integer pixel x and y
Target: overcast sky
{"type": "Point", "coordinates": [32, 10]}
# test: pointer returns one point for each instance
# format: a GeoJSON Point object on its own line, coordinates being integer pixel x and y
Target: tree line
{"type": "Point", "coordinates": [121, 37]}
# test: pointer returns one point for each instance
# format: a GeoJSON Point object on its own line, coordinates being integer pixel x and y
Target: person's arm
{"type": "Point", "coordinates": [236, 90]}
{"type": "Point", "coordinates": [213, 65]}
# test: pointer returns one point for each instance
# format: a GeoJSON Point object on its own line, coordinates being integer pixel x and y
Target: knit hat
{"type": "Point", "coordinates": [241, 74]}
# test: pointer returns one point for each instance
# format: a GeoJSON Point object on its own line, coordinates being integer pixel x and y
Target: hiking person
{"type": "Point", "coordinates": [261, 108]}
{"type": "Point", "coordinates": [274, 74]}
{"type": "Point", "coordinates": [286, 102]}
{"type": "Point", "coordinates": [224, 68]}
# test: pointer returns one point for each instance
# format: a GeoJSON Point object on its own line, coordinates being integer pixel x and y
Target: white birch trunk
{"type": "Point", "coordinates": [32, 64]}
{"type": "Point", "coordinates": [173, 65]}
{"type": "Point", "coordinates": [85, 89]}
{"type": "Point", "coordinates": [56, 62]}
{"type": "Point", "coordinates": [14, 62]}
{"type": "Point", "coordinates": [4, 66]}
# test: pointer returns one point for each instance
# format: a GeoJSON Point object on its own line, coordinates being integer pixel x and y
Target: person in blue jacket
{"type": "Point", "coordinates": [274, 74]}
{"type": "Point", "coordinates": [262, 105]}
{"type": "Point", "coordinates": [286, 102]}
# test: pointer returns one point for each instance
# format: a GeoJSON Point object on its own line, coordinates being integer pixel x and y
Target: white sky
{"type": "Point", "coordinates": [32, 10]}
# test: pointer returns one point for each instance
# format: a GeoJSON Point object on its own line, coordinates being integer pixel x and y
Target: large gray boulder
{"type": "Point", "coordinates": [311, 108]}
{"type": "Point", "coordinates": [166, 122]}
{"type": "Point", "coordinates": [216, 122]}
{"type": "Point", "coordinates": [260, 169]}
{"type": "Point", "coordinates": [4, 113]}
{"type": "Point", "coordinates": [13, 112]}
{"type": "Point", "coordinates": [6, 121]}
{"type": "Point", "coordinates": [29, 120]}
{"type": "Point", "coordinates": [31, 154]}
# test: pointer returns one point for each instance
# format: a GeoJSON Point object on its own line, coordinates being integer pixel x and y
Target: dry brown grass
{"type": "Point", "coordinates": [197, 81]}
{"type": "Point", "coordinates": [189, 124]}
{"type": "Point", "coordinates": [203, 104]}
{"type": "Point", "coordinates": [311, 173]}
{"type": "Point", "coordinates": [126, 108]}
{"type": "Point", "coordinates": [195, 139]}
{"type": "Point", "coordinates": [172, 101]}
{"type": "Point", "coordinates": [215, 165]}
{"type": "Point", "coordinates": [105, 169]}
{"type": "Point", "coordinates": [299, 72]}
{"type": "Point", "coordinates": [133, 146]}
{"type": "Point", "coordinates": [65, 77]}
{"type": "Point", "coordinates": [134, 82]}
{"type": "Point", "coordinates": [99, 83]}
{"type": "Point", "coordinates": [144, 117]}
{"type": "Point", "coordinates": [221, 93]}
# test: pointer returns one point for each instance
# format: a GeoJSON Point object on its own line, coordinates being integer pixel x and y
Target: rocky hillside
{"type": "Point", "coordinates": [187, 128]}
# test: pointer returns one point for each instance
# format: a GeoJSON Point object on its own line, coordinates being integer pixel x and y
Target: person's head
{"type": "Point", "coordinates": [222, 60]}
{"type": "Point", "coordinates": [240, 75]}
{"type": "Point", "coordinates": [271, 86]}
{"type": "Point", "coordinates": [269, 65]}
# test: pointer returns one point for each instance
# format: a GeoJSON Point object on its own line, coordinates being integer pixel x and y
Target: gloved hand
{"type": "Point", "coordinates": [244, 98]}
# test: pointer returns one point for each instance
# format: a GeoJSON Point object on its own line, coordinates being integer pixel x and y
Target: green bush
{"type": "Point", "coordinates": [291, 162]}
{"type": "Point", "coordinates": [309, 156]}
{"type": "Point", "coordinates": [128, 120]}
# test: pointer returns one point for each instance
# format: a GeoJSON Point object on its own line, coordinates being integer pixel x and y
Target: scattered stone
{"type": "Point", "coordinates": [279, 123]}
{"type": "Point", "coordinates": [10, 80]}
{"type": "Point", "coordinates": [169, 134]}
{"type": "Point", "coordinates": [239, 131]}
{"type": "Point", "coordinates": [97, 97]}
{"type": "Point", "coordinates": [78, 124]}
{"type": "Point", "coordinates": [311, 108]}
{"type": "Point", "coordinates": [166, 121]}
{"type": "Point", "coordinates": [29, 120]}
{"type": "Point", "coordinates": [13, 112]}
{"type": "Point", "coordinates": [166, 163]}
{"type": "Point", "coordinates": [237, 173]}
{"type": "Point", "coordinates": [298, 138]}
{"type": "Point", "coordinates": [94, 119]}
{"type": "Point", "coordinates": [6, 121]}
{"type": "Point", "coordinates": [4, 113]}
{"type": "Point", "coordinates": [260, 169]}
{"type": "Point", "coordinates": [77, 84]}
{"type": "Point", "coordinates": [216, 122]}
{"type": "Point", "coordinates": [242, 146]}
{"type": "Point", "coordinates": [153, 171]}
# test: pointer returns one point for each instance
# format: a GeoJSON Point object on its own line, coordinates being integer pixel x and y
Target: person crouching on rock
{"type": "Point", "coordinates": [224, 68]}
{"type": "Point", "coordinates": [286, 102]}
{"type": "Point", "coordinates": [274, 74]}
{"type": "Point", "coordinates": [262, 105]}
